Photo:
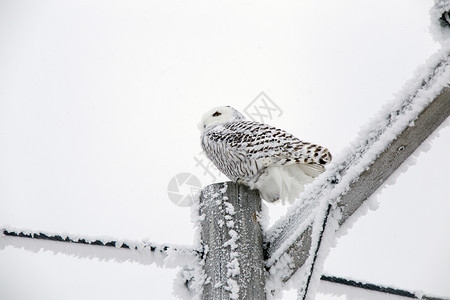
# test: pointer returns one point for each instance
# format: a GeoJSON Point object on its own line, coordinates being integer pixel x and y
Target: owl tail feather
{"type": "Point", "coordinates": [285, 182]}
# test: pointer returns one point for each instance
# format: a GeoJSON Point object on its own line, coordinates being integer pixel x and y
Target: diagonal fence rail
{"type": "Point", "coordinates": [291, 243]}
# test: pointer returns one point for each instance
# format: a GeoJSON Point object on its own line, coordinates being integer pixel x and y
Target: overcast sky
{"type": "Point", "coordinates": [99, 106]}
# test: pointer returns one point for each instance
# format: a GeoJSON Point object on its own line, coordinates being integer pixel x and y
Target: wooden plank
{"type": "Point", "coordinates": [233, 242]}
{"type": "Point", "coordinates": [392, 157]}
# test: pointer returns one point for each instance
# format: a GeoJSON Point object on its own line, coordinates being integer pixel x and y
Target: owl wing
{"type": "Point", "coordinates": [245, 148]}
{"type": "Point", "coordinates": [270, 146]}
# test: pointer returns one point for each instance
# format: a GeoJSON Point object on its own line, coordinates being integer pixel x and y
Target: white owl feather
{"type": "Point", "coordinates": [269, 159]}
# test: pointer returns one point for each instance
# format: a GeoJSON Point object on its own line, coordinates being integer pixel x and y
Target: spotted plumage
{"type": "Point", "coordinates": [259, 155]}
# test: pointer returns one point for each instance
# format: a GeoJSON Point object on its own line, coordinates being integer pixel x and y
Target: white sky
{"type": "Point", "coordinates": [99, 105]}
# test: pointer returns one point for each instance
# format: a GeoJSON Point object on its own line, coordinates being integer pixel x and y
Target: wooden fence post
{"type": "Point", "coordinates": [233, 242]}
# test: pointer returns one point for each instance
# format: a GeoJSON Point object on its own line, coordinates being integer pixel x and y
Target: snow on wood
{"type": "Point", "coordinates": [233, 242]}
{"type": "Point", "coordinates": [390, 159]}
{"type": "Point", "coordinates": [353, 177]}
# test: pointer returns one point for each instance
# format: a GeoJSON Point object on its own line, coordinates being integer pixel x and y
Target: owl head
{"type": "Point", "coordinates": [219, 115]}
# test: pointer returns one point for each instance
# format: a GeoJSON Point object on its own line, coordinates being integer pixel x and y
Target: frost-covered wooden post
{"type": "Point", "coordinates": [233, 242]}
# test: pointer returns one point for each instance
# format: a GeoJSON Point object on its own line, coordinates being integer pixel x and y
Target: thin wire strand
{"type": "Point", "coordinates": [58, 238]}
{"type": "Point", "coordinates": [374, 287]}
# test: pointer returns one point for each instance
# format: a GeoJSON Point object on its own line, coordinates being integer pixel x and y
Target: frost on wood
{"type": "Point", "coordinates": [232, 241]}
{"type": "Point", "coordinates": [389, 139]}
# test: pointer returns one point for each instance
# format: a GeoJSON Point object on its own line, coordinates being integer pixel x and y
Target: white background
{"type": "Point", "coordinates": [99, 105]}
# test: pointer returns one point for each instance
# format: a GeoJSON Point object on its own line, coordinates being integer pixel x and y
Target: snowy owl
{"type": "Point", "coordinates": [259, 155]}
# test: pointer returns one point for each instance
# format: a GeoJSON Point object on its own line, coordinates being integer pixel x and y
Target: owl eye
{"type": "Point", "coordinates": [216, 114]}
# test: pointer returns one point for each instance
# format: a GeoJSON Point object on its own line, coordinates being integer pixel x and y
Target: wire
{"type": "Point", "coordinates": [374, 287]}
{"type": "Point", "coordinates": [58, 238]}
{"type": "Point", "coordinates": [324, 224]}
